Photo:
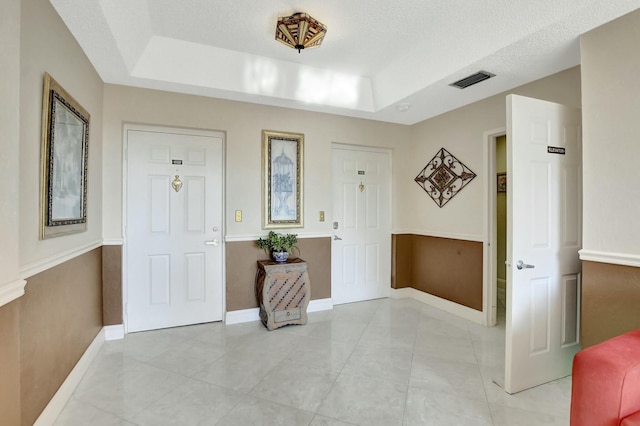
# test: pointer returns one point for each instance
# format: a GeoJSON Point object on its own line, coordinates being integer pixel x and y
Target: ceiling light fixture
{"type": "Point", "coordinates": [300, 31]}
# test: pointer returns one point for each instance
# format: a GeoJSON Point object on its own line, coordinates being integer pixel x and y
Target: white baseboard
{"type": "Point", "coordinates": [114, 332]}
{"type": "Point", "coordinates": [64, 393]}
{"type": "Point", "coordinates": [253, 314]}
{"type": "Point", "coordinates": [320, 305]}
{"type": "Point", "coordinates": [242, 315]}
{"type": "Point", "coordinates": [440, 303]}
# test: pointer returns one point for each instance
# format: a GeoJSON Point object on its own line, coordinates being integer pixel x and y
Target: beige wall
{"type": "Point", "coordinates": [611, 107]}
{"type": "Point", "coordinates": [241, 268]}
{"type": "Point", "coordinates": [243, 123]}
{"type": "Point", "coordinates": [43, 333]}
{"type": "Point", "coordinates": [611, 222]}
{"type": "Point", "coordinates": [10, 131]}
{"type": "Point", "coordinates": [10, 363]}
{"type": "Point", "coordinates": [461, 132]}
{"type": "Point", "coordinates": [46, 45]}
{"type": "Point", "coordinates": [60, 315]}
{"type": "Point", "coordinates": [447, 268]}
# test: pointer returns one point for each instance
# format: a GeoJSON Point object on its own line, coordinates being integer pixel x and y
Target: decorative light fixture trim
{"type": "Point", "coordinates": [300, 31]}
{"type": "Point", "coordinates": [443, 177]}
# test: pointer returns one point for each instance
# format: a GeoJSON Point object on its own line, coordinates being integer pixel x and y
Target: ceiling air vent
{"type": "Point", "coordinates": [472, 79]}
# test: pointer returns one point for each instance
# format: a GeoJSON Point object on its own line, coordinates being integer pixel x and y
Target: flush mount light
{"type": "Point", "coordinates": [300, 31]}
{"type": "Point", "coordinates": [402, 107]}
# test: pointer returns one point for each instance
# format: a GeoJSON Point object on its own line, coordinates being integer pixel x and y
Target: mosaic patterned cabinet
{"type": "Point", "coordinates": [283, 290]}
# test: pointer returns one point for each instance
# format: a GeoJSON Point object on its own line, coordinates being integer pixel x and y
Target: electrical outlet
{"type": "Point", "coordinates": [321, 215]}
{"type": "Point", "coordinates": [238, 215]}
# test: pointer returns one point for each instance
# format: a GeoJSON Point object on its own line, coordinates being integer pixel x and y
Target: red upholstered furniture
{"type": "Point", "coordinates": [606, 383]}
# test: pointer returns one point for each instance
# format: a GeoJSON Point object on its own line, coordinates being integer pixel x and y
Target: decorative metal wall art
{"type": "Point", "coordinates": [443, 177]}
{"type": "Point", "coordinates": [282, 155]}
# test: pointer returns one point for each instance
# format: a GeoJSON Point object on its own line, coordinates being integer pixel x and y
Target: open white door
{"type": "Point", "coordinates": [174, 228]}
{"type": "Point", "coordinates": [544, 212]}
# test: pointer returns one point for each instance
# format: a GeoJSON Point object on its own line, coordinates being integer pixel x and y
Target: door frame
{"type": "Point", "coordinates": [489, 268]}
{"type": "Point", "coordinates": [125, 162]}
{"type": "Point", "coordinates": [363, 148]}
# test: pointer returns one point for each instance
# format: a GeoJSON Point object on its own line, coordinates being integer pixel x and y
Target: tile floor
{"type": "Point", "coordinates": [381, 362]}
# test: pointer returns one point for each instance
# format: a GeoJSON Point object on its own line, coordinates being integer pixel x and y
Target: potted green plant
{"type": "Point", "coordinates": [279, 246]}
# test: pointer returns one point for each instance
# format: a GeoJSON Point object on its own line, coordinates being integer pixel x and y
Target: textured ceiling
{"type": "Point", "coordinates": [376, 54]}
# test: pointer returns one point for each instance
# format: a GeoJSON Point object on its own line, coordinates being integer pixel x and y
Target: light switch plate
{"type": "Point", "coordinates": [238, 215]}
{"type": "Point", "coordinates": [321, 215]}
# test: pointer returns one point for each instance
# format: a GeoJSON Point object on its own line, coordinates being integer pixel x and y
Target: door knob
{"type": "Point", "coordinates": [521, 265]}
{"type": "Point", "coordinates": [212, 243]}
{"type": "Point", "coordinates": [336, 238]}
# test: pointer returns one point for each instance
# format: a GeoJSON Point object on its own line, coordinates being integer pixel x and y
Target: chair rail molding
{"type": "Point", "coordinates": [623, 259]}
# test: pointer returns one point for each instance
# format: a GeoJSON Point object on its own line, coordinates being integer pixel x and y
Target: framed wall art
{"type": "Point", "coordinates": [64, 155]}
{"type": "Point", "coordinates": [501, 182]}
{"type": "Point", "coordinates": [283, 161]}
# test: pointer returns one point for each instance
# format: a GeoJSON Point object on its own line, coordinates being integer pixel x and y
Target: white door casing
{"type": "Point", "coordinates": [544, 212]}
{"type": "Point", "coordinates": [173, 239]}
{"type": "Point", "coordinates": [361, 245]}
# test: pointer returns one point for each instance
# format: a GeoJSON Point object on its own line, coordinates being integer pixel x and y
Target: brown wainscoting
{"type": "Point", "coordinates": [241, 267]}
{"type": "Point", "coordinates": [10, 364]}
{"type": "Point", "coordinates": [60, 315]}
{"type": "Point", "coordinates": [444, 267]}
{"type": "Point", "coordinates": [610, 301]}
{"type": "Point", "coordinates": [112, 285]}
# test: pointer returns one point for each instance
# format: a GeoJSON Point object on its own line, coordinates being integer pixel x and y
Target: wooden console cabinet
{"type": "Point", "coordinates": [283, 291]}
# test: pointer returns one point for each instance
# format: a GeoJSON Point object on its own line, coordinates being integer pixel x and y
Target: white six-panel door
{"type": "Point", "coordinates": [173, 239]}
{"type": "Point", "coordinates": [361, 247]}
{"type": "Point", "coordinates": [544, 212]}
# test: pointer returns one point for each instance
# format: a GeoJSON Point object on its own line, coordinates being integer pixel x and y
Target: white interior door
{"type": "Point", "coordinates": [173, 240]}
{"type": "Point", "coordinates": [361, 248]}
{"type": "Point", "coordinates": [544, 211]}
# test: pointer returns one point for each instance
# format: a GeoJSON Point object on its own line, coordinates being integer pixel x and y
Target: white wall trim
{"type": "Point", "coordinates": [41, 265]}
{"type": "Point", "coordinates": [253, 314]}
{"type": "Point", "coordinates": [253, 237]}
{"type": "Point", "coordinates": [64, 393]}
{"type": "Point", "coordinates": [113, 242]}
{"type": "Point", "coordinates": [450, 235]}
{"type": "Point", "coordinates": [242, 315]}
{"type": "Point", "coordinates": [113, 332]}
{"type": "Point", "coordinates": [11, 291]}
{"type": "Point", "coordinates": [320, 305]}
{"type": "Point", "coordinates": [437, 302]}
{"type": "Point", "coordinates": [623, 259]}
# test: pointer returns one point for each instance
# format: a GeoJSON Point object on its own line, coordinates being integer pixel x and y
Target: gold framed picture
{"type": "Point", "coordinates": [64, 156]}
{"type": "Point", "coordinates": [283, 163]}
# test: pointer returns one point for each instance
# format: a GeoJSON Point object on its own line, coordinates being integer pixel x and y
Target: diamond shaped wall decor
{"type": "Point", "coordinates": [443, 177]}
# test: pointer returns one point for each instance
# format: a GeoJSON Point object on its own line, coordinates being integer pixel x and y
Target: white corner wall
{"type": "Point", "coordinates": [46, 45]}
{"type": "Point", "coordinates": [611, 153]}
{"type": "Point", "coordinates": [9, 142]}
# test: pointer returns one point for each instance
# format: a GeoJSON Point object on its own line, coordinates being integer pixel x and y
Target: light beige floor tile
{"type": "Point", "coordinates": [432, 407]}
{"type": "Point", "coordinates": [77, 413]}
{"type": "Point", "coordinates": [125, 395]}
{"type": "Point", "coordinates": [380, 362]}
{"type": "Point", "coordinates": [258, 412]}
{"type": "Point", "coordinates": [508, 416]}
{"type": "Point", "coordinates": [365, 401]}
{"type": "Point", "coordinates": [296, 386]}
{"type": "Point", "coordinates": [192, 403]}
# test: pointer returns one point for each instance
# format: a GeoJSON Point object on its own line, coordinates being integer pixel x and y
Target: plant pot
{"type": "Point", "coordinates": [280, 256]}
